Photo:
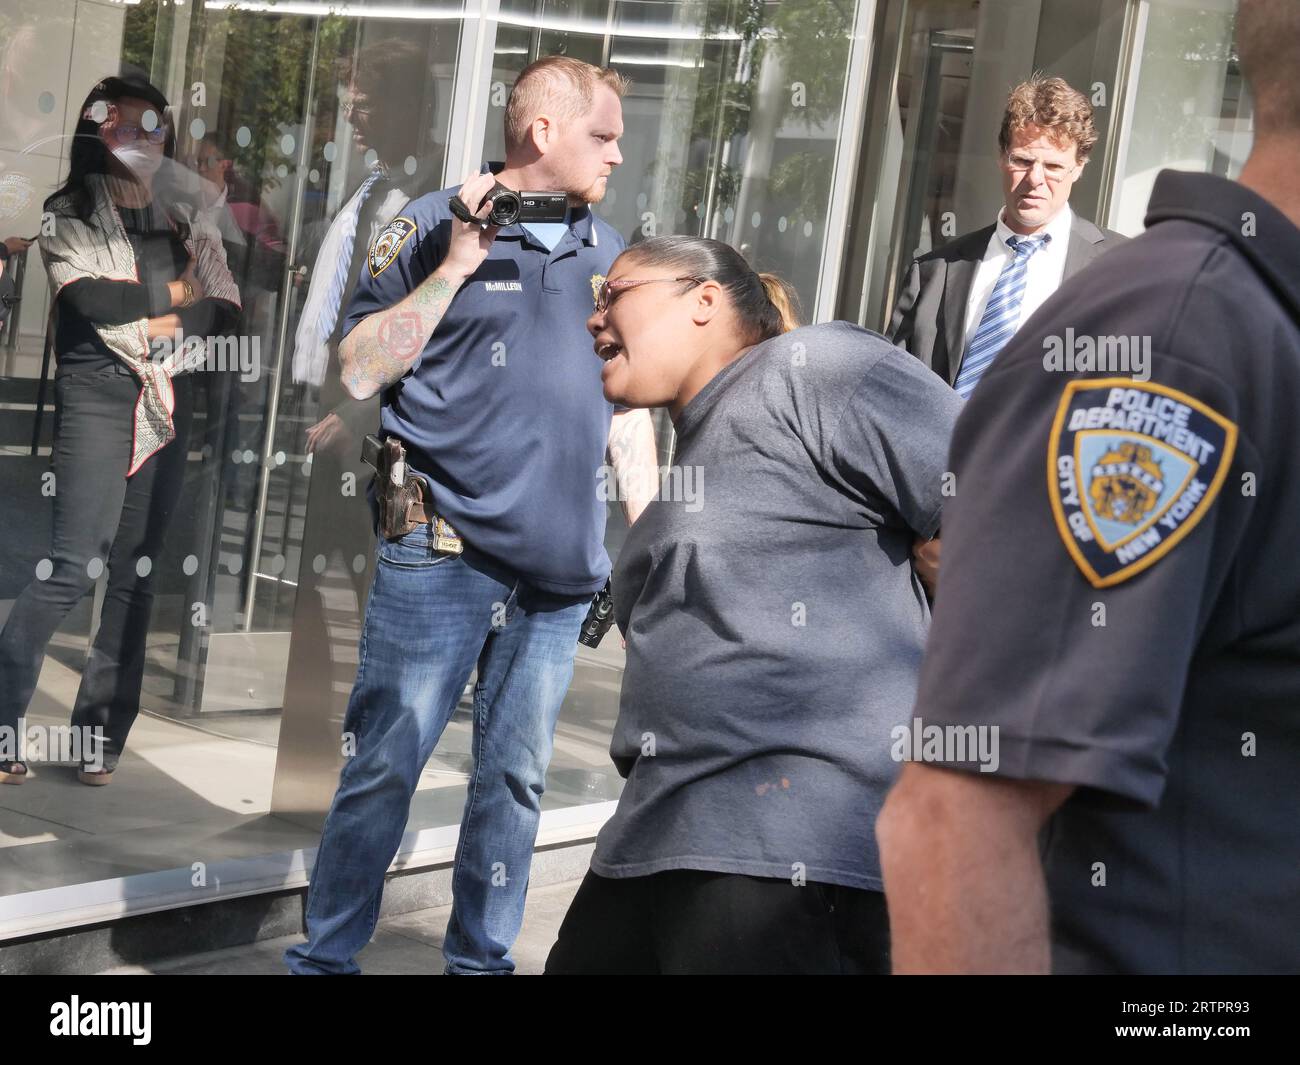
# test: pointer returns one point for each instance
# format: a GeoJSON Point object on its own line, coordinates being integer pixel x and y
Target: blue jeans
{"type": "Point", "coordinates": [99, 513]}
{"type": "Point", "coordinates": [430, 618]}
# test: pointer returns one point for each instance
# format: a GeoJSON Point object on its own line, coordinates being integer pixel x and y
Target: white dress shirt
{"type": "Point", "coordinates": [1046, 269]}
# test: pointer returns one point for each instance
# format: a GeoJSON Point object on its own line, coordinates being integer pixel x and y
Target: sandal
{"type": "Point", "coordinates": [96, 778]}
{"type": "Point", "coordinates": [13, 772]}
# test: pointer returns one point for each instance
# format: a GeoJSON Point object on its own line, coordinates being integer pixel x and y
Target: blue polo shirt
{"type": "Point", "coordinates": [503, 413]}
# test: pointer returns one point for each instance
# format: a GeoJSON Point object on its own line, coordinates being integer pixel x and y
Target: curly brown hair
{"type": "Point", "coordinates": [1050, 104]}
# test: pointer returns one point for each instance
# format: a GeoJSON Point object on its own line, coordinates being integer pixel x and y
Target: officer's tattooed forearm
{"type": "Point", "coordinates": [383, 346]}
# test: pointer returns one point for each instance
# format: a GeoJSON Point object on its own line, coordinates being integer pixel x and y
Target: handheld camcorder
{"type": "Point", "coordinates": [509, 207]}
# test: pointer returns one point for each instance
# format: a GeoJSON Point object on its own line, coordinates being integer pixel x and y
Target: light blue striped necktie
{"type": "Point", "coordinates": [1001, 317]}
{"type": "Point", "coordinates": [334, 295]}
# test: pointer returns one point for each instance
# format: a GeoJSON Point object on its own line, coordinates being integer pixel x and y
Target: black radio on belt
{"type": "Point", "coordinates": [509, 207]}
{"type": "Point", "coordinates": [600, 616]}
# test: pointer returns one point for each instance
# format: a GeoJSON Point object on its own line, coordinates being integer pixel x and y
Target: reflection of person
{"type": "Point", "coordinates": [774, 625]}
{"type": "Point", "coordinates": [124, 274]}
{"type": "Point", "coordinates": [14, 246]}
{"type": "Point", "coordinates": [1144, 691]}
{"type": "Point", "coordinates": [475, 339]}
{"type": "Point", "coordinates": [407, 163]}
{"type": "Point", "coordinates": [388, 97]}
{"type": "Point", "coordinates": [255, 248]}
{"type": "Point", "coordinates": [9, 247]}
{"type": "Point", "coordinates": [962, 302]}
{"type": "Point", "coordinates": [256, 254]}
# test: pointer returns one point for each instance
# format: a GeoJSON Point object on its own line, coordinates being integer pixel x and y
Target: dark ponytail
{"type": "Point", "coordinates": [766, 305]}
{"type": "Point", "coordinates": [784, 300]}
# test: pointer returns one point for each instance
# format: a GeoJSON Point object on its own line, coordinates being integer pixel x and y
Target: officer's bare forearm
{"type": "Point", "coordinates": [960, 859]}
{"type": "Point", "coordinates": [369, 357]}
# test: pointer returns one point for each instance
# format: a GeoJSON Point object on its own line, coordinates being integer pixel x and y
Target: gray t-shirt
{"type": "Point", "coordinates": [774, 623]}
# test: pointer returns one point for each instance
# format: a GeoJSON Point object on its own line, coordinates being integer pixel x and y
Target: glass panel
{"type": "Point", "coordinates": [268, 142]}
{"type": "Point", "coordinates": [395, 94]}
{"type": "Point", "coordinates": [731, 121]}
{"type": "Point", "coordinates": [930, 167]}
{"type": "Point", "coordinates": [1190, 108]}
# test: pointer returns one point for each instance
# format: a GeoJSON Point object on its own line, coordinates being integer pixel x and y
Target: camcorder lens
{"type": "Point", "coordinates": [505, 206]}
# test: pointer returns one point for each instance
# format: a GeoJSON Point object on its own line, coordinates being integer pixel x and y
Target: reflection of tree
{"type": "Point", "coordinates": [267, 60]}
{"type": "Point", "coordinates": [1183, 39]}
{"type": "Point", "coordinates": [272, 60]}
{"type": "Point", "coordinates": [804, 182]}
{"type": "Point", "coordinates": [140, 32]}
{"type": "Point", "coordinates": [813, 42]}
{"type": "Point", "coordinates": [722, 102]}
{"type": "Point", "coordinates": [810, 41]}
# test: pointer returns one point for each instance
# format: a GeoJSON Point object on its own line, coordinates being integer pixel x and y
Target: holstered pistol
{"type": "Point", "coordinates": [396, 488]}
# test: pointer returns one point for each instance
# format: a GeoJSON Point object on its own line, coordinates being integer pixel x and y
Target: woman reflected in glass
{"type": "Point", "coordinates": [131, 267]}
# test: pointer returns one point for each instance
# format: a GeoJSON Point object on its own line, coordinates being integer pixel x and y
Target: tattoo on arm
{"type": "Point", "coordinates": [383, 346]}
{"type": "Point", "coordinates": [437, 291]}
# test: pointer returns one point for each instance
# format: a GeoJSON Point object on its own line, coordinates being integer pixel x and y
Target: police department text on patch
{"type": "Point", "coordinates": [387, 243]}
{"type": "Point", "coordinates": [1132, 468]}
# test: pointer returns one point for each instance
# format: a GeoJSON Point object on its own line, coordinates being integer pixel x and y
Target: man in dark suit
{"type": "Point", "coordinates": [962, 302]}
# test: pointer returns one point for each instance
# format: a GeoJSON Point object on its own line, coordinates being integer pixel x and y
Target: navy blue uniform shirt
{"type": "Point", "coordinates": [502, 412]}
{"type": "Point", "coordinates": [1120, 594]}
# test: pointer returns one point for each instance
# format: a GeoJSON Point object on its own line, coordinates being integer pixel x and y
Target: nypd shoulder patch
{"type": "Point", "coordinates": [1131, 468]}
{"type": "Point", "coordinates": [387, 243]}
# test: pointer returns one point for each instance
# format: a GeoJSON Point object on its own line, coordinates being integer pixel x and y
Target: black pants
{"type": "Point", "coordinates": [685, 922]}
{"type": "Point", "coordinates": [98, 514]}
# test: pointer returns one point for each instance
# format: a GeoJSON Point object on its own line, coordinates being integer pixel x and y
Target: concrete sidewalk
{"type": "Point", "coordinates": [409, 944]}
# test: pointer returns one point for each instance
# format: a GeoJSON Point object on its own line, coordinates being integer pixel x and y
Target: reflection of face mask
{"type": "Point", "coordinates": [143, 162]}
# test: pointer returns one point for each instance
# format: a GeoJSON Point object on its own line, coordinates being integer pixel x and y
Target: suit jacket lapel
{"type": "Point", "coordinates": [956, 291]}
{"type": "Point", "coordinates": [1085, 245]}
{"type": "Point", "coordinates": [957, 283]}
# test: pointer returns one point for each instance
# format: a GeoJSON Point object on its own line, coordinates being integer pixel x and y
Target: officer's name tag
{"type": "Point", "coordinates": [1132, 467]}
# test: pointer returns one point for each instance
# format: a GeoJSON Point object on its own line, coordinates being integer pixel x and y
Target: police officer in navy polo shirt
{"type": "Point", "coordinates": [474, 336]}
{"type": "Point", "coordinates": [1118, 606]}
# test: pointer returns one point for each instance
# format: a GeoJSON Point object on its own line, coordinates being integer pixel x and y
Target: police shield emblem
{"type": "Point", "coordinates": [1132, 467]}
{"type": "Point", "coordinates": [387, 243]}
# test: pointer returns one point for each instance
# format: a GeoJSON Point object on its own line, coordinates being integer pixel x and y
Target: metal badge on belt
{"type": "Point", "coordinates": [446, 540]}
{"type": "Point", "coordinates": [404, 503]}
